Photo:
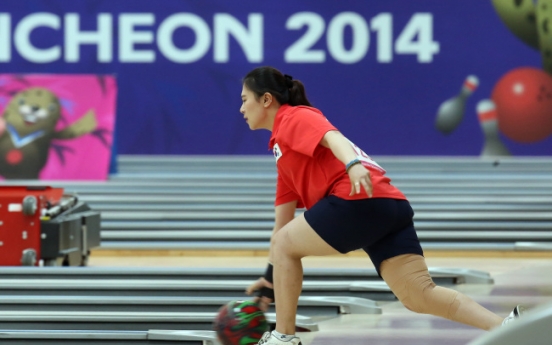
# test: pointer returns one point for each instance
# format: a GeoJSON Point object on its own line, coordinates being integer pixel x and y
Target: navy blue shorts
{"type": "Point", "coordinates": [383, 228]}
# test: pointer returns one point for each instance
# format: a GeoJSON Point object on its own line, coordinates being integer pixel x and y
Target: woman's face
{"type": "Point", "coordinates": [253, 110]}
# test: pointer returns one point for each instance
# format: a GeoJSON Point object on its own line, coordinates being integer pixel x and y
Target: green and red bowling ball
{"type": "Point", "coordinates": [240, 323]}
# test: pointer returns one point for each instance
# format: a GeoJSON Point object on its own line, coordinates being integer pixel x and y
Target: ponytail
{"type": "Point", "coordinates": [297, 95]}
{"type": "Point", "coordinates": [283, 87]}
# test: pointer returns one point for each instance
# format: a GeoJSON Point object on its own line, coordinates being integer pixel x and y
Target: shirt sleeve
{"type": "Point", "coordinates": [304, 129]}
{"type": "Point", "coordinates": [284, 194]}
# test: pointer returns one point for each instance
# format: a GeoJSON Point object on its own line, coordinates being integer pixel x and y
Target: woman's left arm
{"type": "Point", "coordinates": [342, 150]}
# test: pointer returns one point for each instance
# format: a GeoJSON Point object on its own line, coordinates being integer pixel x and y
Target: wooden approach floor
{"type": "Point", "coordinates": [520, 278]}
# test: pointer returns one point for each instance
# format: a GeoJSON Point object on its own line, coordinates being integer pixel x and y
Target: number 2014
{"type": "Point", "coordinates": [416, 38]}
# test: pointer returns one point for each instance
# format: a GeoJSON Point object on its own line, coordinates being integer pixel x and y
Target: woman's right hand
{"type": "Point", "coordinates": [360, 178]}
{"type": "Point", "coordinates": [263, 301]}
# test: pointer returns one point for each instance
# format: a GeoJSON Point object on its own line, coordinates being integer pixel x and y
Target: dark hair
{"type": "Point", "coordinates": [283, 87]}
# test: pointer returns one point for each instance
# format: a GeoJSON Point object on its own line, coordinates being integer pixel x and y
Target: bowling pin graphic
{"type": "Point", "coordinates": [451, 111]}
{"type": "Point", "coordinates": [492, 146]}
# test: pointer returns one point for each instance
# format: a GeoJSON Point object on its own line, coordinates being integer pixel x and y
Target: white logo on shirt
{"type": "Point", "coordinates": [277, 152]}
{"type": "Point", "coordinates": [363, 157]}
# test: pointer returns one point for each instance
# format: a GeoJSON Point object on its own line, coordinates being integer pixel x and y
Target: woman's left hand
{"type": "Point", "coordinates": [360, 177]}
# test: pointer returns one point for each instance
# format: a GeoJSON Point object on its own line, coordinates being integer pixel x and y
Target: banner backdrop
{"type": "Point", "coordinates": [56, 126]}
{"type": "Point", "coordinates": [381, 71]}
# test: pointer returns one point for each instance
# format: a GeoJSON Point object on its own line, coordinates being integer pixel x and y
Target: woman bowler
{"type": "Point", "coordinates": [350, 204]}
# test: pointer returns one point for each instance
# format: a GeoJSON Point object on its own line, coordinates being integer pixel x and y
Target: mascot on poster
{"type": "Point", "coordinates": [56, 126]}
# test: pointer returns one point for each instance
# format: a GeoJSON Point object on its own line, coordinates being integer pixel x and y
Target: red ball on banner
{"type": "Point", "coordinates": [523, 99]}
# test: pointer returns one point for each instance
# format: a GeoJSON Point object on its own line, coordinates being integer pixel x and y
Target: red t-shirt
{"type": "Point", "coordinates": [307, 171]}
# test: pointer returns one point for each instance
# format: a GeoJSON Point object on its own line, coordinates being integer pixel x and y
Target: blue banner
{"type": "Point", "coordinates": [381, 71]}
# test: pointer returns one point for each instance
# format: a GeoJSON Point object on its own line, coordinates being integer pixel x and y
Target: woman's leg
{"type": "Point", "coordinates": [289, 245]}
{"type": "Point", "coordinates": [409, 279]}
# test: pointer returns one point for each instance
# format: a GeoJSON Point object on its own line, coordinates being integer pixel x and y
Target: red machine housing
{"type": "Point", "coordinates": [20, 220]}
{"type": "Point", "coordinates": [43, 226]}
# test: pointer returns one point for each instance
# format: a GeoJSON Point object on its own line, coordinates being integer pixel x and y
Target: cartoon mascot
{"type": "Point", "coordinates": [27, 129]}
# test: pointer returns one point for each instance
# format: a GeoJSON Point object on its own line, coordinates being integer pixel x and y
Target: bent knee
{"type": "Point", "coordinates": [418, 299]}
{"type": "Point", "coordinates": [281, 244]}
{"type": "Point", "coordinates": [416, 307]}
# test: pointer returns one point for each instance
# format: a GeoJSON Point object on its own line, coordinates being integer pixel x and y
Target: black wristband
{"type": "Point", "coordinates": [266, 292]}
{"type": "Point", "coordinates": [268, 276]}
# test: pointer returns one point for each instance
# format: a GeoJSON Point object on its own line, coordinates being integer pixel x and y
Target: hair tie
{"type": "Point", "coordinates": [289, 81]}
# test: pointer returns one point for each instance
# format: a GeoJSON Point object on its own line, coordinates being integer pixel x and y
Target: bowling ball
{"type": "Point", "coordinates": [523, 99]}
{"type": "Point", "coordinates": [240, 323]}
